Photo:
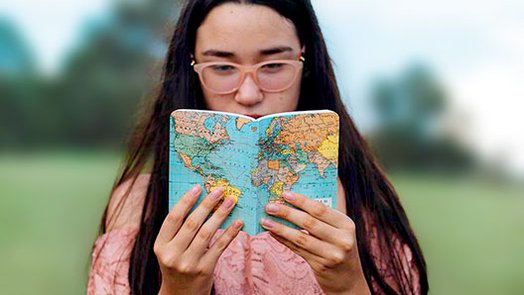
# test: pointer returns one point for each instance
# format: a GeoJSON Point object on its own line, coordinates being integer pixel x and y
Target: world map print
{"type": "Point", "coordinates": [255, 161]}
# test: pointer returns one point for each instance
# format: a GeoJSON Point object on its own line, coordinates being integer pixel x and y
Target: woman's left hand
{"type": "Point", "coordinates": [329, 246]}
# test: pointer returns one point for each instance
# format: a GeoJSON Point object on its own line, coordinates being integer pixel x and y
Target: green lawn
{"type": "Point", "coordinates": [472, 232]}
{"type": "Point", "coordinates": [50, 208]}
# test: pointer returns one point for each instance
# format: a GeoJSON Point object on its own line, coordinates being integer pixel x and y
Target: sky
{"type": "Point", "coordinates": [476, 48]}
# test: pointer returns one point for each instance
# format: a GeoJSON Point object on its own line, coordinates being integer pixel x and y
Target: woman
{"type": "Point", "coordinates": [364, 246]}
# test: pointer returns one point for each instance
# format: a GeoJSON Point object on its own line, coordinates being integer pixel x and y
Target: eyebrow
{"type": "Point", "coordinates": [218, 53]}
{"type": "Point", "coordinates": [269, 51]}
{"type": "Point", "coordinates": [276, 50]}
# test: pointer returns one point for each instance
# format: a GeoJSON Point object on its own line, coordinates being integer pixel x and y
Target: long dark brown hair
{"type": "Point", "coordinates": [371, 201]}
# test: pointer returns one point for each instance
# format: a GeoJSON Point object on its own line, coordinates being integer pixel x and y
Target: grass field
{"type": "Point", "coordinates": [471, 231]}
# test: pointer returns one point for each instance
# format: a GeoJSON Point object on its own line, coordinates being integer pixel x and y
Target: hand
{"type": "Point", "coordinates": [181, 247]}
{"type": "Point", "coordinates": [328, 243]}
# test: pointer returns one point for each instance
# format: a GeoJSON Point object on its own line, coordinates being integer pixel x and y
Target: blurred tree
{"type": "Point", "coordinates": [103, 81]}
{"type": "Point", "coordinates": [93, 99]}
{"type": "Point", "coordinates": [19, 87]}
{"type": "Point", "coordinates": [409, 116]}
{"type": "Point", "coordinates": [15, 56]}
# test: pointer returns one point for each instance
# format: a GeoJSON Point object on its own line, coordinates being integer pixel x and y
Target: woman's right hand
{"type": "Point", "coordinates": [186, 263]}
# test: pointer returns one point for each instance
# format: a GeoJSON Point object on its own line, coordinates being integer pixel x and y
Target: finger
{"type": "Point", "coordinates": [299, 239]}
{"type": "Point", "coordinates": [308, 256]}
{"type": "Point", "coordinates": [207, 231]}
{"type": "Point", "coordinates": [174, 218]}
{"type": "Point", "coordinates": [218, 247]}
{"type": "Point", "coordinates": [318, 210]}
{"type": "Point", "coordinates": [316, 262]}
{"type": "Point", "coordinates": [304, 220]}
{"type": "Point", "coordinates": [193, 222]}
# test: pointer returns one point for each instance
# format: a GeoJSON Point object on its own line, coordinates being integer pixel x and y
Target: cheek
{"type": "Point", "coordinates": [214, 102]}
{"type": "Point", "coordinates": [288, 101]}
{"type": "Point", "coordinates": [295, 94]}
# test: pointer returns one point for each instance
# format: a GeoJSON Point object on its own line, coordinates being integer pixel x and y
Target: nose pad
{"type": "Point", "coordinates": [249, 93]}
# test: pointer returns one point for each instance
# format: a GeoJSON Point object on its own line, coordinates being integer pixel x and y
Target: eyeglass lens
{"type": "Point", "coordinates": [223, 78]}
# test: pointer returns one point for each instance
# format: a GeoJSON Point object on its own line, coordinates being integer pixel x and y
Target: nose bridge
{"type": "Point", "coordinates": [249, 71]}
{"type": "Point", "coordinates": [249, 92]}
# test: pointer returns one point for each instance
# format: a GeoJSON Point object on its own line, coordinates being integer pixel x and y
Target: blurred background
{"type": "Point", "coordinates": [437, 87]}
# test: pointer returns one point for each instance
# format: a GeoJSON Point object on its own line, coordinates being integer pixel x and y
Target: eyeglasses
{"type": "Point", "coordinates": [227, 77]}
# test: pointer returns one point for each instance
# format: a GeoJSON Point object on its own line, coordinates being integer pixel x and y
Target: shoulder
{"type": "Point", "coordinates": [127, 201]}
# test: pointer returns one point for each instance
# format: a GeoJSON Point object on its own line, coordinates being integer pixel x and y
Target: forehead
{"type": "Point", "coordinates": [245, 29]}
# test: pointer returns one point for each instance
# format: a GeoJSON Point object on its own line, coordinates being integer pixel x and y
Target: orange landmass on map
{"type": "Point", "coordinates": [187, 160]}
{"type": "Point", "coordinates": [291, 178]}
{"type": "Point", "coordinates": [193, 124]}
{"type": "Point", "coordinates": [229, 191]}
{"type": "Point", "coordinates": [241, 122]}
{"type": "Point", "coordinates": [308, 130]}
{"type": "Point", "coordinates": [273, 164]}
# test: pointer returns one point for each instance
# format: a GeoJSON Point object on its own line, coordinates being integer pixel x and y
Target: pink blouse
{"type": "Point", "coordinates": [250, 265]}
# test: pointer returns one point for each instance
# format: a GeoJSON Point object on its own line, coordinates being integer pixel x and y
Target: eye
{"type": "Point", "coordinates": [272, 68]}
{"type": "Point", "coordinates": [222, 68]}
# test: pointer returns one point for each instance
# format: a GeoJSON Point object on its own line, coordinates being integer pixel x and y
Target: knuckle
{"type": "Point", "coordinates": [347, 245]}
{"type": "Point", "coordinates": [229, 235]}
{"type": "Point", "coordinates": [277, 228]}
{"type": "Point", "coordinates": [205, 234]}
{"type": "Point", "coordinates": [221, 244]}
{"type": "Point", "coordinates": [351, 226]}
{"type": "Point", "coordinates": [185, 267]}
{"type": "Point", "coordinates": [157, 249]}
{"type": "Point", "coordinates": [198, 270]}
{"type": "Point", "coordinates": [208, 205]}
{"type": "Point", "coordinates": [336, 258]}
{"type": "Point", "coordinates": [310, 223]}
{"type": "Point", "coordinates": [283, 212]}
{"type": "Point", "coordinates": [191, 224]}
{"type": "Point", "coordinates": [166, 260]}
{"type": "Point", "coordinates": [189, 268]}
{"type": "Point", "coordinates": [318, 210]}
{"type": "Point", "coordinates": [224, 240]}
{"type": "Point", "coordinates": [221, 211]}
{"type": "Point", "coordinates": [186, 201]}
{"type": "Point", "coordinates": [299, 201]}
{"type": "Point", "coordinates": [319, 267]}
{"type": "Point", "coordinates": [302, 240]}
{"type": "Point", "coordinates": [173, 217]}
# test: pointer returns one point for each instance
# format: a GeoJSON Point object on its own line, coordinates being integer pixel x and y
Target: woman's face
{"type": "Point", "coordinates": [248, 34]}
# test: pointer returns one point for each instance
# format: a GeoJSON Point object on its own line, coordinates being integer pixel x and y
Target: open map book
{"type": "Point", "coordinates": [254, 160]}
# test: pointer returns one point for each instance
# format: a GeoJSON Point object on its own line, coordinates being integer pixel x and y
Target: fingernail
{"type": "Point", "coordinates": [267, 223]}
{"type": "Point", "coordinates": [272, 208]}
{"type": "Point", "coordinates": [228, 203]}
{"type": "Point", "coordinates": [216, 193]}
{"type": "Point", "coordinates": [195, 189]}
{"type": "Point", "coordinates": [289, 196]}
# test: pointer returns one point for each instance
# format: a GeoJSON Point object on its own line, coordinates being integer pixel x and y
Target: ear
{"type": "Point", "coordinates": [306, 72]}
{"type": "Point", "coordinates": [302, 53]}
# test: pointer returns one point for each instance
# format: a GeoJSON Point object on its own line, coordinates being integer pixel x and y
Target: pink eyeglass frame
{"type": "Point", "coordinates": [297, 64]}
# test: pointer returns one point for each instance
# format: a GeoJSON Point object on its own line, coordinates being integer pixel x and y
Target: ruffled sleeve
{"type": "Point", "coordinates": [110, 263]}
